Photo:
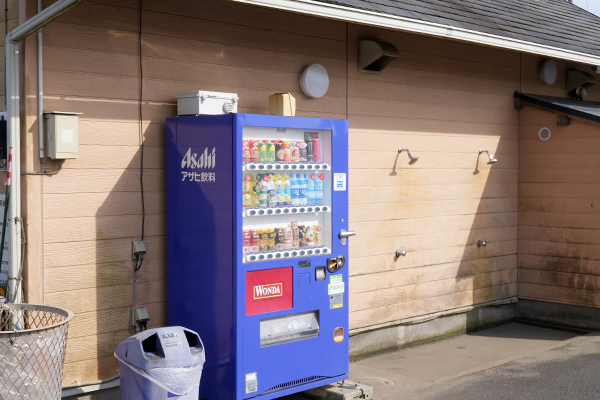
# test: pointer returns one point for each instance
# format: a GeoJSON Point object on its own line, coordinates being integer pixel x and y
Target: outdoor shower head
{"type": "Point", "coordinates": [412, 159]}
{"type": "Point", "coordinates": [492, 160]}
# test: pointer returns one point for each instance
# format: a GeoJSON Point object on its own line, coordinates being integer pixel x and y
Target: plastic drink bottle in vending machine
{"type": "Point", "coordinates": [272, 191]}
{"type": "Point", "coordinates": [287, 191]}
{"type": "Point", "coordinates": [302, 183]}
{"type": "Point", "coordinates": [295, 189]}
{"type": "Point", "coordinates": [319, 189]}
{"type": "Point", "coordinates": [310, 189]}
{"type": "Point", "coordinates": [280, 188]}
{"type": "Point", "coordinates": [272, 151]}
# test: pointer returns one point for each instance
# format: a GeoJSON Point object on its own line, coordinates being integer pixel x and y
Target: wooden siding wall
{"type": "Point", "coordinates": [442, 100]}
{"type": "Point", "coordinates": [559, 194]}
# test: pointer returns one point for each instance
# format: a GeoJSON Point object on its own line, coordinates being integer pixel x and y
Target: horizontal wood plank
{"type": "Point", "coordinates": [60, 279]}
{"type": "Point", "coordinates": [430, 290]}
{"type": "Point", "coordinates": [429, 273]}
{"type": "Point", "coordinates": [413, 259]}
{"type": "Point", "coordinates": [392, 211]}
{"type": "Point", "coordinates": [394, 312]}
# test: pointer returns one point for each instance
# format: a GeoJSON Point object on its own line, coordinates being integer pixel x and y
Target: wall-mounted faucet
{"type": "Point", "coordinates": [400, 253]}
{"type": "Point", "coordinates": [492, 160]}
{"type": "Point", "coordinates": [412, 159]}
{"type": "Point", "coordinates": [481, 243]}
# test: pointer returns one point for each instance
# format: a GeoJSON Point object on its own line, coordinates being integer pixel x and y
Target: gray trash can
{"type": "Point", "coordinates": [162, 363]}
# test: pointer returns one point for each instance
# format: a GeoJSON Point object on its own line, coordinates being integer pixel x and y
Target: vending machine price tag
{"type": "Point", "coordinates": [339, 182]}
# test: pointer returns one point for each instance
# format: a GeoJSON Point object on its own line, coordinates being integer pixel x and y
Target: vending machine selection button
{"type": "Point", "coordinates": [320, 273]}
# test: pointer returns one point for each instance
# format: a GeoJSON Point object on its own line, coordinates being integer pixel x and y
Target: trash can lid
{"type": "Point", "coordinates": [173, 346]}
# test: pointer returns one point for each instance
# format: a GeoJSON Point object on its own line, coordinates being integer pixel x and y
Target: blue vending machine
{"type": "Point", "coordinates": [257, 250]}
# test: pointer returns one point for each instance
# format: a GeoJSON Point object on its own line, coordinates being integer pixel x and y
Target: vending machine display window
{"type": "Point", "coordinates": [286, 192]}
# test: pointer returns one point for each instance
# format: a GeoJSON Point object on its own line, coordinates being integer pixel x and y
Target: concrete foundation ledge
{"type": "Point", "coordinates": [558, 314]}
{"type": "Point", "coordinates": [424, 329]}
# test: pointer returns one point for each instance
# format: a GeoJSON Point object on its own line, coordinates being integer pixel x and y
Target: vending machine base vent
{"type": "Point", "coordinates": [297, 382]}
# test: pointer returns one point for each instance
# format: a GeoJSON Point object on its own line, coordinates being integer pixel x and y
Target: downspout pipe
{"type": "Point", "coordinates": [14, 134]}
{"type": "Point", "coordinates": [40, 57]}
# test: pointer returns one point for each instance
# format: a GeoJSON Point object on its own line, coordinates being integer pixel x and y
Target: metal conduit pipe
{"type": "Point", "coordinates": [14, 132]}
{"type": "Point", "coordinates": [40, 87]}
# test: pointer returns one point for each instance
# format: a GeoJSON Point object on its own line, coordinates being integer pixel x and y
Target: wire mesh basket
{"type": "Point", "coordinates": [32, 351]}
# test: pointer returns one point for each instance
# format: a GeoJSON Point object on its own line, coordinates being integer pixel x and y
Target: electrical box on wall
{"type": "Point", "coordinates": [62, 134]}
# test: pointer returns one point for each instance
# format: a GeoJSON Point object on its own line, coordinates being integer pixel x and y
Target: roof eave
{"type": "Point", "coordinates": [365, 17]}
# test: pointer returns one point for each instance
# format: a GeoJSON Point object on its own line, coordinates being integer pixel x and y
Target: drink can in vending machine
{"type": "Point", "coordinates": [316, 149]}
{"type": "Point", "coordinates": [279, 239]}
{"type": "Point", "coordinates": [295, 151]}
{"type": "Point", "coordinates": [247, 242]}
{"type": "Point", "coordinates": [318, 236]}
{"type": "Point", "coordinates": [309, 236]}
{"type": "Point", "coordinates": [254, 152]}
{"type": "Point", "coordinates": [264, 157]}
{"type": "Point", "coordinates": [302, 236]}
{"type": "Point", "coordinates": [288, 237]}
{"type": "Point", "coordinates": [287, 152]}
{"type": "Point", "coordinates": [254, 240]}
{"type": "Point", "coordinates": [295, 235]}
{"type": "Point", "coordinates": [309, 146]}
{"type": "Point", "coordinates": [271, 240]}
{"type": "Point", "coordinates": [246, 151]}
{"type": "Point", "coordinates": [263, 241]}
{"type": "Point", "coordinates": [303, 151]}
{"type": "Point", "coordinates": [279, 151]}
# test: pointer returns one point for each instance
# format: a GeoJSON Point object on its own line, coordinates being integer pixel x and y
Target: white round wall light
{"type": "Point", "coordinates": [548, 72]}
{"type": "Point", "coordinates": [314, 81]}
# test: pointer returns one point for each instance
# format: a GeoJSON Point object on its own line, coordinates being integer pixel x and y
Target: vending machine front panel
{"type": "Point", "coordinates": [289, 268]}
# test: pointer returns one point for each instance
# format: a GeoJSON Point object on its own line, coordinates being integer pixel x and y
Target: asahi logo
{"type": "Point", "coordinates": [268, 291]}
{"type": "Point", "coordinates": [193, 161]}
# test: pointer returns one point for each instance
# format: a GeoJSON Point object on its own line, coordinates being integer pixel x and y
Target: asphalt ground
{"type": "Point", "coordinates": [512, 361]}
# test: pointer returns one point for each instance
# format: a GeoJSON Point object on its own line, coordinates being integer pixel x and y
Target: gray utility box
{"type": "Point", "coordinates": [62, 134]}
{"type": "Point", "coordinates": [161, 363]}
